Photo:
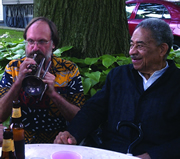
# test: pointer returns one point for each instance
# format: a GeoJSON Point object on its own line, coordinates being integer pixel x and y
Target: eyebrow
{"type": "Point", "coordinates": [35, 40]}
{"type": "Point", "coordinates": [139, 42]}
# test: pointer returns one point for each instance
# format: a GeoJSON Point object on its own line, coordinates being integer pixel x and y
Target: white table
{"type": "Point", "coordinates": [46, 150]}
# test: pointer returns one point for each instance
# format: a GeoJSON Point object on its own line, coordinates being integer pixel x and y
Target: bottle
{"type": "Point", "coordinates": [18, 130]}
{"type": "Point", "coordinates": [8, 145]}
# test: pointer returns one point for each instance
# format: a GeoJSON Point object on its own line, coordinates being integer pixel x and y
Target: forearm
{"type": "Point", "coordinates": [67, 109]}
{"type": "Point", "coordinates": [7, 100]}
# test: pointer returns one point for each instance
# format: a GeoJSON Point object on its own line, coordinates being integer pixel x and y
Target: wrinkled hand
{"type": "Point", "coordinates": [144, 156]}
{"type": "Point", "coordinates": [65, 138]}
{"type": "Point", "coordinates": [1, 134]}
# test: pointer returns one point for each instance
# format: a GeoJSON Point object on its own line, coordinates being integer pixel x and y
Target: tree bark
{"type": "Point", "coordinates": [92, 27]}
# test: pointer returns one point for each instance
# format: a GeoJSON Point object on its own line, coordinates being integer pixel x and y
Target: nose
{"type": "Point", "coordinates": [133, 50]}
{"type": "Point", "coordinates": [35, 47]}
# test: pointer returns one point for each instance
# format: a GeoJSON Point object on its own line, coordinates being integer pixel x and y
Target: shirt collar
{"type": "Point", "coordinates": [153, 77]}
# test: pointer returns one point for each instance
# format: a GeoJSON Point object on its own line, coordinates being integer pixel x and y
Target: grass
{"type": "Point", "coordinates": [14, 34]}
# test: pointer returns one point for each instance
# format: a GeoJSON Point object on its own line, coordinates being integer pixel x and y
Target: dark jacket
{"type": "Point", "coordinates": [123, 98]}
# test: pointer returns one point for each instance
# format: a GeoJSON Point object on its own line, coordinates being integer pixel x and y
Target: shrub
{"type": "Point", "coordinates": [93, 70]}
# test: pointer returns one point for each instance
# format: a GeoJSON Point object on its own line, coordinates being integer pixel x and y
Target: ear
{"type": "Point", "coordinates": [164, 48]}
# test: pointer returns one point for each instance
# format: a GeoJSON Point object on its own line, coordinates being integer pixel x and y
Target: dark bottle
{"type": "Point", "coordinates": [8, 145]}
{"type": "Point", "coordinates": [18, 130]}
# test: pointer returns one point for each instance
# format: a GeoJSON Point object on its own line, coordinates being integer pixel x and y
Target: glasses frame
{"type": "Point", "coordinates": [39, 42]}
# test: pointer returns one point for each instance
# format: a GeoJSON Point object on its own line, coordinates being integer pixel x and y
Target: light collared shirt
{"type": "Point", "coordinates": [153, 78]}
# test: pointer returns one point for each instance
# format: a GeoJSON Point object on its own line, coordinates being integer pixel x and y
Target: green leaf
{"type": "Point", "coordinates": [94, 75]}
{"type": "Point", "coordinates": [106, 71]}
{"type": "Point", "coordinates": [59, 51]}
{"type": "Point", "coordinates": [90, 61]}
{"type": "Point", "coordinates": [1, 73]}
{"type": "Point", "coordinates": [17, 47]}
{"type": "Point", "coordinates": [75, 60]}
{"type": "Point", "coordinates": [20, 52]}
{"type": "Point", "coordinates": [65, 48]}
{"type": "Point", "coordinates": [92, 91]}
{"type": "Point", "coordinates": [14, 57]}
{"type": "Point", "coordinates": [178, 65]}
{"type": "Point", "coordinates": [86, 85]}
{"type": "Point", "coordinates": [5, 55]}
{"type": "Point", "coordinates": [10, 44]}
{"type": "Point", "coordinates": [108, 60]}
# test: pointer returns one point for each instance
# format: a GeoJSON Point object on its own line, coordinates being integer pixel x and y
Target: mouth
{"type": "Point", "coordinates": [39, 56]}
{"type": "Point", "coordinates": [39, 53]}
{"type": "Point", "coordinates": [136, 59]}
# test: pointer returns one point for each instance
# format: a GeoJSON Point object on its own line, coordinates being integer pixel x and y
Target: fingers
{"type": "Point", "coordinates": [49, 79]}
{"type": "Point", "coordinates": [27, 62]}
{"type": "Point", "coordinates": [72, 141]}
{"type": "Point", "coordinates": [65, 138]}
{"type": "Point", "coordinates": [24, 67]}
{"type": "Point", "coordinates": [62, 138]}
{"type": "Point", "coordinates": [144, 156]}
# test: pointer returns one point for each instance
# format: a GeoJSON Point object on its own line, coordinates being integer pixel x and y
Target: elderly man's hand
{"type": "Point", "coordinates": [65, 138]}
{"type": "Point", "coordinates": [1, 134]}
{"type": "Point", "coordinates": [144, 156]}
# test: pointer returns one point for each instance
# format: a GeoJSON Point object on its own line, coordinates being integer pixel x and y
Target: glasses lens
{"type": "Point", "coordinates": [40, 42]}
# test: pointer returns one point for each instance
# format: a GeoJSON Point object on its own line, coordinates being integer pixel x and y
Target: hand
{"type": "Point", "coordinates": [24, 68]}
{"type": "Point", "coordinates": [65, 138]}
{"type": "Point", "coordinates": [49, 79]}
{"type": "Point", "coordinates": [1, 134]}
{"type": "Point", "coordinates": [144, 156]}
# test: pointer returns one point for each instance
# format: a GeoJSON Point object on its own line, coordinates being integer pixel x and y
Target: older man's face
{"type": "Point", "coordinates": [146, 56]}
{"type": "Point", "coordinates": [40, 34]}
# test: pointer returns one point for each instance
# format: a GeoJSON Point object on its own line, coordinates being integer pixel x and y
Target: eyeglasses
{"type": "Point", "coordinates": [39, 42]}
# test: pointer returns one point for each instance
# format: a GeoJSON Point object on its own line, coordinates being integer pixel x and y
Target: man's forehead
{"type": "Point", "coordinates": [142, 37]}
{"type": "Point", "coordinates": [39, 24]}
{"type": "Point", "coordinates": [142, 33]}
{"type": "Point", "coordinates": [39, 30]}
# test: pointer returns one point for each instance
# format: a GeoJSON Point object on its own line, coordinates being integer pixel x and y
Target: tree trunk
{"type": "Point", "coordinates": [92, 27]}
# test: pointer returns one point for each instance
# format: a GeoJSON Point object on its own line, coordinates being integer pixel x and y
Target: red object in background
{"type": "Point", "coordinates": [138, 10]}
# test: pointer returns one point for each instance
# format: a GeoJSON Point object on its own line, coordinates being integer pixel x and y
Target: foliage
{"type": "Point", "coordinates": [93, 70]}
{"type": "Point", "coordinates": [175, 55]}
{"type": "Point", "coordinates": [10, 50]}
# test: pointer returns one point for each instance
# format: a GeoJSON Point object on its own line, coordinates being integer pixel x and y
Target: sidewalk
{"type": "Point", "coordinates": [11, 28]}
{"type": "Point", "coordinates": [2, 26]}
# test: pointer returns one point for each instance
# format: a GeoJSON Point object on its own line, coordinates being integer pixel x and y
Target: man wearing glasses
{"type": "Point", "coordinates": [43, 116]}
